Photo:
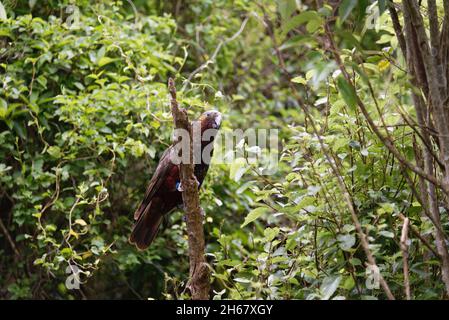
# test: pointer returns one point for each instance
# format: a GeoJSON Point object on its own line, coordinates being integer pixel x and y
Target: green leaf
{"type": "Point", "coordinates": [313, 25]}
{"type": "Point", "coordinates": [105, 60]}
{"type": "Point", "coordinates": [355, 262]}
{"type": "Point", "coordinates": [346, 241]}
{"type": "Point", "coordinates": [302, 18]}
{"type": "Point", "coordinates": [54, 151]}
{"type": "Point", "coordinates": [286, 8]}
{"type": "Point", "coordinates": [305, 202]}
{"type": "Point", "coordinates": [20, 129]}
{"type": "Point", "coordinates": [271, 233]}
{"type": "Point", "coordinates": [382, 5]}
{"type": "Point", "coordinates": [3, 109]}
{"type": "Point", "coordinates": [242, 280]}
{"type": "Point", "coordinates": [81, 222]}
{"type": "Point", "coordinates": [347, 92]}
{"type": "Point", "coordinates": [2, 12]}
{"type": "Point", "coordinates": [299, 80]}
{"type": "Point", "coordinates": [345, 9]}
{"type": "Point", "coordinates": [238, 168]}
{"type": "Point", "coordinates": [387, 234]}
{"type": "Point", "coordinates": [254, 215]}
{"type": "Point", "coordinates": [67, 252]}
{"type": "Point", "coordinates": [362, 6]}
{"type": "Point", "coordinates": [349, 283]}
{"type": "Point", "coordinates": [354, 144]}
{"type": "Point", "coordinates": [329, 286]}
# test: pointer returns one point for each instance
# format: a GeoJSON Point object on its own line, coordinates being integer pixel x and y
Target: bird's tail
{"type": "Point", "coordinates": [145, 228]}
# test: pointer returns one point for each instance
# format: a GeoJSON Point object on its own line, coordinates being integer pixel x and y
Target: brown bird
{"type": "Point", "coordinates": [163, 193]}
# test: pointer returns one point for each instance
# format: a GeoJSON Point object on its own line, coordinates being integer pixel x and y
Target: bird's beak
{"type": "Point", "coordinates": [217, 121]}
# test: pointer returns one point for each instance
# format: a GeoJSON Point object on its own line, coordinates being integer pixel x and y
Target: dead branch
{"type": "Point", "coordinates": [404, 249]}
{"type": "Point", "coordinates": [199, 272]}
{"type": "Point", "coordinates": [421, 238]}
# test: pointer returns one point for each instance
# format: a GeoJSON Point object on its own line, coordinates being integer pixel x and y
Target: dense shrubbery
{"type": "Point", "coordinates": [81, 104]}
{"type": "Point", "coordinates": [84, 116]}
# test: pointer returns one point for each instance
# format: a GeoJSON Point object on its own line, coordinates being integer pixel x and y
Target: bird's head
{"type": "Point", "coordinates": [210, 120]}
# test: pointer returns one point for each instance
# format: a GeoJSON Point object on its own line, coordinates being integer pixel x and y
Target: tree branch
{"type": "Point", "coordinates": [415, 28]}
{"type": "Point", "coordinates": [199, 272]}
{"type": "Point", "coordinates": [404, 249]}
{"type": "Point", "coordinates": [9, 238]}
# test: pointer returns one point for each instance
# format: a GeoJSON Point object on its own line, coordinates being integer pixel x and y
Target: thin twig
{"type": "Point", "coordinates": [404, 249]}
{"type": "Point", "coordinates": [9, 238]}
{"type": "Point", "coordinates": [214, 55]}
{"type": "Point", "coordinates": [422, 239]}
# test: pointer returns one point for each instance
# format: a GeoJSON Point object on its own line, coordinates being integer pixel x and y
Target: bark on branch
{"type": "Point", "coordinates": [9, 238]}
{"type": "Point", "coordinates": [199, 272]}
{"type": "Point", "coordinates": [404, 249]}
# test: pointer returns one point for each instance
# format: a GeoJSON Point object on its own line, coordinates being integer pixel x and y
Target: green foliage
{"type": "Point", "coordinates": [80, 105]}
{"type": "Point", "coordinates": [84, 117]}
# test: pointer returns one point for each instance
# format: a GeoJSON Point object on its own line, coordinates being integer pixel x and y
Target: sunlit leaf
{"type": "Point", "coordinates": [254, 215]}
{"type": "Point", "coordinates": [329, 286]}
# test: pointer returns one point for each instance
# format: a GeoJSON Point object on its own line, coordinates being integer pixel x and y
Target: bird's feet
{"type": "Point", "coordinates": [181, 189]}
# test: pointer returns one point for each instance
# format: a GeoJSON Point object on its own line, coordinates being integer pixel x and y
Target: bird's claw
{"type": "Point", "coordinates": [179, 187]}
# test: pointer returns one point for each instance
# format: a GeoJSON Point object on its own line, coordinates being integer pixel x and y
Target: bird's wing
{"type": "Point", "coordinates": [164, 166]}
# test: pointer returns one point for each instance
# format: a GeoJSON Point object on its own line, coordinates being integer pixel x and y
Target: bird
{"type": "Point", "coordinates": [164, 191]}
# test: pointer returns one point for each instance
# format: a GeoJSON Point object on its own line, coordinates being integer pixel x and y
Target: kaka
{"type": "Point", "coordinates": [163, 192]}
